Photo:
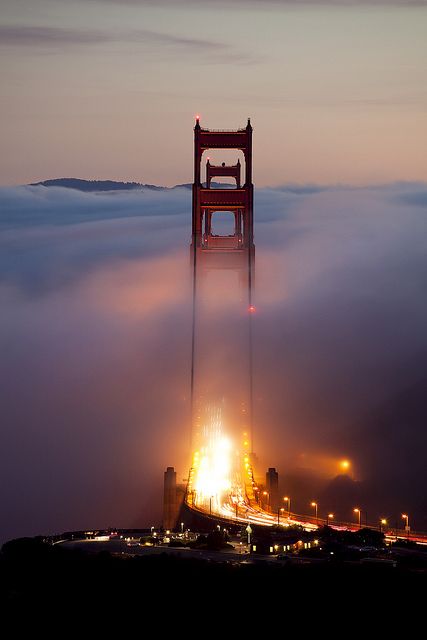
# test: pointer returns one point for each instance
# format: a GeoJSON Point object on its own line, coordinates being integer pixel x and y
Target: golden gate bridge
{"type": "Point", "coordinates": [222, 484]}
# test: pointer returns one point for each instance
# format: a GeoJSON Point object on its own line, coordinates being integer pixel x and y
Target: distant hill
{"type": "Point", "coordinates": [95, 185]}
{"type": "Point", "coordinates": [112, 185]}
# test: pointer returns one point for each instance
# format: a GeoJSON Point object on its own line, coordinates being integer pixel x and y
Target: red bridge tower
{"type": "Point", "coordinates": [235, 251]}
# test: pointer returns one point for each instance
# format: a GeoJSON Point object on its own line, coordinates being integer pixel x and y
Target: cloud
{"type": "Point", "coordinates": [262, 4]}
{"type": "Point", "coordinates": [95, 336]}
{"type": "Point", "coordinates": [31, 36]}
{"type": "Point", "coordinates": [416, 196]}
{"type": "Point", "coordinates": [46, 38]}
{"type": "Point", "coordinates": [44, 221]}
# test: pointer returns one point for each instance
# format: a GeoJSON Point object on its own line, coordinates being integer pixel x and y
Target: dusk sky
{"type": "Point", "coordinates": [109, 88]}
{"type": "Point", "coordinates": [95, 288]}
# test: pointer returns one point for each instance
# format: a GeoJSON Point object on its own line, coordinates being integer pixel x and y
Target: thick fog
{"type": "Point", "coordinates": [95, 332]}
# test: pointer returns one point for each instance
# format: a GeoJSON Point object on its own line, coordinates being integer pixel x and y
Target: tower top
{"type": "Point", "coordinates": [246, 129]}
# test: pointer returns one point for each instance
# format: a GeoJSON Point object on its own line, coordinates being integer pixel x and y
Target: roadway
{"type": "Point", "coordinates": [248, 513]}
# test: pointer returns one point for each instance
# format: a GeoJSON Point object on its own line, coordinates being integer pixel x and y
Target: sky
{"type": "Point", "coordinates": [95, 336]}
{"type": "Point", "coordinates": [109, 88]}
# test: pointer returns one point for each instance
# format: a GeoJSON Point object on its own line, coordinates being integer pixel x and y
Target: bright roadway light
{"type": "Point", "coordinates": [344, 464]}
{"type": "Point", "coordinates": [314, 504]}
{"type": "Point", "coordinates": [359, 515]}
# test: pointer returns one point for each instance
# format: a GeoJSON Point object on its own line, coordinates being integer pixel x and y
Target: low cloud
{"type": "Point", "coordinates": [95, 334]}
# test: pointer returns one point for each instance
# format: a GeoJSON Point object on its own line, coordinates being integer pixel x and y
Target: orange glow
{"type": "Point", "coordinates": [212, 471]}
{"type": "Point", "coordinates": [119, 290]}
{"type": "Point", "coordinates": [344, 465]}
{"type": "Point", "coordinates": [325, 464]}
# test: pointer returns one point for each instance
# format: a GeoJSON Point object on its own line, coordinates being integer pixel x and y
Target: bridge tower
{"type": "Point", "coordinates": [235, 251]}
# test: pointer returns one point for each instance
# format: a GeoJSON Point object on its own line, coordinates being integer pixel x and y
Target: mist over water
{"type": "Point", "coordinates": [95, 334]}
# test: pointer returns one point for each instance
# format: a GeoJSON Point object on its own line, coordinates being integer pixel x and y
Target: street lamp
{"type": "Point", "coordinates": [210, 505]}
{"type": "Point", "coordinates": [315, 505]}
{"type": "Point", "coordinates": [406, 518]}
{"type": "Point", "coordinates": [182, 527]}
{"type": "Point", "coordinates": [288, 500]}
{"type": "Point", "coordinates": [383, 522]}
{"type": "Point", "coordinates": [265, 493]}
{"type": "Point", "coordinates": [359, 515]}
{"type": "Point", "coordinates": [281, 509]}
{"type": "Point", "coordinates": [330, 516]}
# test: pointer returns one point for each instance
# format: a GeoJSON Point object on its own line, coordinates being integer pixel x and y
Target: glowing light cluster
{"type": "Point", "coordinates": [221, 479]}
{"type": "Point", "coordinates": [212, 471]}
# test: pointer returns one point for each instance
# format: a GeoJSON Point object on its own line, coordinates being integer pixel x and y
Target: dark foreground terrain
{"type": "Point", "coordinates": [35, 572]}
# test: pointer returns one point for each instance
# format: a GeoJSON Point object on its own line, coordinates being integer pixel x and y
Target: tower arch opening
{"type": "Point", "coordinates": [223, 168]}
{"type": "Point", "coordinates": [223, 223]}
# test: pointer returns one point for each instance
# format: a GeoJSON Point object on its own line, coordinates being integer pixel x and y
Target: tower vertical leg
{"type": "Point", "coordinates": [193, 342]}
{"type": "Point", "coordinates": [250, 348]}
{"type": "Point", "coordinates": [206, 215]}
